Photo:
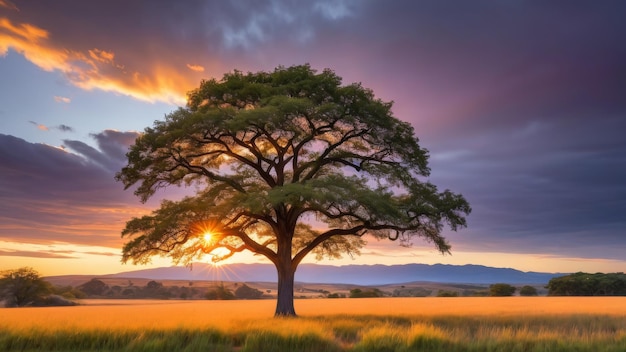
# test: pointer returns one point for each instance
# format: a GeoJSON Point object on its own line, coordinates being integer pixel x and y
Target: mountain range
{"type": "Point", "coordinates": [348, 274]}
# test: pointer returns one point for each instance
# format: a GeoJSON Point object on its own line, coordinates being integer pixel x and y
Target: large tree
{"type": "Point", "coordinates": [285, 163]}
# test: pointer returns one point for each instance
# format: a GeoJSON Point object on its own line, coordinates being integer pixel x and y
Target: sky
{"type": "Point", "coordinates": [522, 105]}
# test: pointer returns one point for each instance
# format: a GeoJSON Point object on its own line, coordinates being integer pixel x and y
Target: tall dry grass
{"type": "Point", "coordinates": [389, 324]}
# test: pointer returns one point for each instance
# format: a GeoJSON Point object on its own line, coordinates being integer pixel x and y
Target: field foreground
{"type": "Point", "coordinates": [380, 324]}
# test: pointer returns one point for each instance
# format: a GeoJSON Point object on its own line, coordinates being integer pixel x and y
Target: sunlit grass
{"type": "Point", "coordinates": [415, 324]}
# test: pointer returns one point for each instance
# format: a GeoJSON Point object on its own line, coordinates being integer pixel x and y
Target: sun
{"type": "Point", "coordinates": [207, 237]}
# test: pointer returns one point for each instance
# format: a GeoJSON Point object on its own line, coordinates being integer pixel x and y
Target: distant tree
{"type": "Point", "coordinates": [154, 289]}
{"type": "Point", "coordinates": [447, 293]}
{"type": "Point", "coordinates": [528, 291]}
{"type": "Point", "coordinates": [584, 284]}
{"type": "Point", "coordinates": [479, 293]}
{"type": "Point", "coordinates": [153, 285]}
{"type": "Point", "coordinates": [358, 293]}
{"type": "Point", "coordinates": [116, 289]}
{"type": "Point", "coordinates": [68, 292]}
{"type": "Point", "coordinates": [501, 290]}
{"type": "Point", "coordinates": [220, 293]}
{"type": "Point", "coordinates": [94, 287]}
{"type": "Point", "coordinates": [246, 292]}
{"type": "Point", "coordinates": [269, 150]}
{"type": "Point", "coordinates": [22, 287]}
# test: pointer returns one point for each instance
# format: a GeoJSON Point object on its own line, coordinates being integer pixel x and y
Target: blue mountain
{"type": "Point", "coordinates": [348, 274]}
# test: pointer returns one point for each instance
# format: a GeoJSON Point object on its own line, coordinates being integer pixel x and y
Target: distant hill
{"type": "Point", "coordinates": [348, 274]}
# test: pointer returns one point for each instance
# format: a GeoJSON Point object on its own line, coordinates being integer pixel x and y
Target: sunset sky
{"type": "Point", "coordinates": [522, 105]}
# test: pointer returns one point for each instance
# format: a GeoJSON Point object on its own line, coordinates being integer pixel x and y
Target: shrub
{"type": "Point", "coordinates": [446, 293]}
{"type": "Point", "coordinates": [336, 295]}
{"type": "Point", "coordinates": [501, 290]}
{"type": "Point", "coordinates": [53, 301]}
{"type": "Point", "coordinates": [220, 293]}
{"type": "Point", "coordinates": [94, 287]}
{"type": "Point", "coordinates": [247, 292]}
{"type": "Point", "coordinates": [358, 293]}
{"type": "Point", "coordinates": [528, 291]}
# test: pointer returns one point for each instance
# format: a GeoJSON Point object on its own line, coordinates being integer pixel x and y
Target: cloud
{"type": "Point", "coordinates": [149, 70]}
{"type": "Point", "coordinates": [52, 253]}
{"type": "Point", "coordinates": [9, 5]}
{"type": "Point", "coordinates": [59, 99]}
{"type": "Point", "coordinates": [102, 56]}
{"type": "Point", "coordinates": [106, 254]}
{"type": "Point", "coordinates": [196, 68]}
{"type": "Point", "coordinates": [34, 254]}
{"type": "Point", "coordinates": [61, 127]}
{"type": "Point", "coordinates": [64, 128]}
{"type": "Point", "coordinates": [48, 195]}
{"type": "Point", "coordinates": [39, 126]}
{"type": "Point", "coordinates": [112, 145]}
{"type": "Point", "coordinates": [93, 69]}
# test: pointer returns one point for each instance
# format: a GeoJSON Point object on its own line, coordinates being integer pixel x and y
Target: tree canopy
{"type": "Point", "coordinates": [22, 287]}
{"type": "Point", "coordinates": [585, 284]}
{"type": "Point", "coordinates": [285, 163]}
{"type": "Point", "coordinates": [501, 289]}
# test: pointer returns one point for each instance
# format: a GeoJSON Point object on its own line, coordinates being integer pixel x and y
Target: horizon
{"type": "Point", "coordinates": [520, 106]}
{"type": "Point", "coordinates": [318, 264]}
{"type": "Point", "coordinates": [308, 273]}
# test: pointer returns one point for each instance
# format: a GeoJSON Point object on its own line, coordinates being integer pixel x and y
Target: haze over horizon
{"type": "Point", "coordinates": [521, 105]}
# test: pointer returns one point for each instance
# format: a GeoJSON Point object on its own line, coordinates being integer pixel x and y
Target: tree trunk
{"type": "Point", "coordinates": [284, 303]}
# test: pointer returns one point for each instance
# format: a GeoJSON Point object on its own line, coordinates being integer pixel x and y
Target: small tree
{"type": "Point", "coordinates": [246, 292]}
{"type": "Point", "coordinates": [94, 287]}
{"type": "Point", "coordinates": [22, 287]}
{"type": "Point", "coordinates": [528, 291]}
{"type": "Point", "coordinates": [369, 293]}
{"type": "Point", "coordinates": [501, 290]}
{"type": "Point", "coordinates": [447, 293]}
{"type": "Point", "coordinates": [220, 293]}
{"type": "Point", "coordinates": [271, 151]}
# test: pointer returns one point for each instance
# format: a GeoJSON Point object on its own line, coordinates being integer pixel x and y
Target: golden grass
{"type": "Point", "coordinates": [135, 314]}
{"type": "Point", "coordinates": [399, 324]}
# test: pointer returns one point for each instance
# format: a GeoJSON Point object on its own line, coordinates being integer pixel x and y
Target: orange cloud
{"type": "Point", "coordinates": [76, 224]}
{"type": "Point", "coordinates": [196, 68]}
{"type": "Point", "coordinates": [59, 99]}
{"type": "Point", "coordinates": [97, 68]}
{"type": "Point", "coordinates": [101, 55]}
{"type": "Point", "coordinates": [40, 126]}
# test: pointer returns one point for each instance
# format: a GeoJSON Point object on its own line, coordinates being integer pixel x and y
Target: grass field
{"type": "Point", "coordinates": [381, 324]}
